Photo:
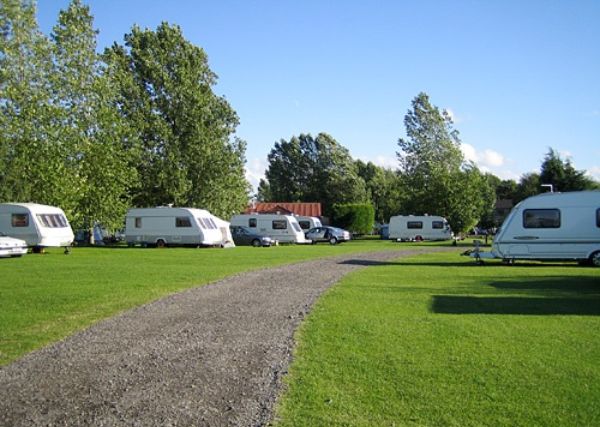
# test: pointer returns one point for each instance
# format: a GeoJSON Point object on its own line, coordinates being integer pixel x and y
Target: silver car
{"type": "Point", "coordinates": [244, 236]}
{"type": "Point", "coordinates": [11, 247]}
{"type": "Point", "coordinates": [333, 235]}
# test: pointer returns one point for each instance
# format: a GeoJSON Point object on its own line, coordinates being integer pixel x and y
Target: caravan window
{"type": "Point", "coordinates": [437, 225]}
{"type": "Point", "coordinates": [52, 220]}
{"type": "Point", "coordinates": [138, 222]}
{"type": "Point", "coordinates": [252, 222]}
{"type": "Point", "coordinates": [598, 218]}
{"type": "Point", "coordinates": [212, 223]}
{"type": "Point", "coordinates": [20, 220]}
{"type": "Point", "coordinates": [304, 224]}
{"type": "Point", "coordinates": [182, 221]}
{"type": "Point", "coordinates": [541, 218]}
{"type": "Point", "coordinates": [414, 224]}
{"type": "Point", "coordinates": [279, 224]}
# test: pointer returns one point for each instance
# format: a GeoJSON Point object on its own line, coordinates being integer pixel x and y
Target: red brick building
{"type": "Point", "coordinates": [302, 209]}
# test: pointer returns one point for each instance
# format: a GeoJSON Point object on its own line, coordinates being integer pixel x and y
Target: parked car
{"type": "Point", "coordinates": [244, 236]}
{"type": "Point", "coordinates": [329, 234]}
{"type": "Point", "coordinates": [11, 247]}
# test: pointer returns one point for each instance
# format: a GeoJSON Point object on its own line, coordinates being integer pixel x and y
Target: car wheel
{"type": "Point", "coordinates": [333, 241]}
{"type": "Point", "coordinates": [160, 243]}
{"type": "Point", "coordinates": [595, 259]}
{"type": "Point", "coordinates": [256, 243]}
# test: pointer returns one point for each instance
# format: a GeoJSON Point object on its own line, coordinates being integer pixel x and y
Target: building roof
{"type": "Point", "coordinates": [302, 209]}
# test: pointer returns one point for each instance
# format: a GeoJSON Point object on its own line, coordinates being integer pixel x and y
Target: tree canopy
{"type": "Point", "coordinates": [436, 178]}
{"type": "Point", "coordinates": [95, 134]}
{"type": "Point", "coordinates": [309, 169]}
{"type": "Point", "coordinates": [188, 153]}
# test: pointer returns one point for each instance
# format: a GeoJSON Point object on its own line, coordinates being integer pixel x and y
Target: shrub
{"type": "Point", "coordinates": [355, 217]}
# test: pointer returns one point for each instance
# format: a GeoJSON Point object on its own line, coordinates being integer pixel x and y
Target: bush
{"type": "Point", "coordinates": [355, 217]}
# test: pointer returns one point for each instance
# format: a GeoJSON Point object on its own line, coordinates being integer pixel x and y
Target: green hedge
{"type": "Point", "coordinates": [355, 217]}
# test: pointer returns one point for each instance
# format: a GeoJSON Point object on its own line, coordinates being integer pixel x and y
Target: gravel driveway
{"type": "Point", "coordinates": [209, 356]}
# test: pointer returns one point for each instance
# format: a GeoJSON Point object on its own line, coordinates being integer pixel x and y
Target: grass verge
{"type": "Point", "coordinates": [44, 298]}
{"type": "Point", "coordinates": [436, 340]}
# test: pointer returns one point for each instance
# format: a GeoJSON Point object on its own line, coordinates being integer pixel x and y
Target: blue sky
{"type": "Point", "coordinates": [517, 76]}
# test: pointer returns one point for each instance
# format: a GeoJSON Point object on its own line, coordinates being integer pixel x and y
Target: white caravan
{"type": "Point", "coordinates": [40, 226]}
{"type": "Point", "coordinates": [164, 226]}
{"type": "Point", "coordinates": [550, 226]}
{"type": "Point", "coordinates": [419, 227]}
{"type": "Point", "coordinates": [283, 228]}
{"type": "Point", "coordinates": [308, 222]}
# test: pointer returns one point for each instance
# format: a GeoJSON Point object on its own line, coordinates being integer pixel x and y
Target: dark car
{"type": "Point", "coordinates": [244, 236]}
{"type": "Point", "coordinates": [329, 234]}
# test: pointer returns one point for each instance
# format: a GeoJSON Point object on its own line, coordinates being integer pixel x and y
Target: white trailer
{"type": "Point", "coordinates": [40, 226]}
{"type": "Point", "coordinates": [283, 228]}
{"type": "Point", "coordinates": [308, 222]}
{"type": "Point", "coordinates": [419, 227]}
{"type": "Point", "coordinates": [550, 226]}
{"type": "Point", "coordinates": [167, 226]}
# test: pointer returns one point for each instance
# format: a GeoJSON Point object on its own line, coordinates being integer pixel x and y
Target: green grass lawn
{"type": "Point", "coordinates": [44, 298]}
{"type": "Point", "coordinates": [437, 341]}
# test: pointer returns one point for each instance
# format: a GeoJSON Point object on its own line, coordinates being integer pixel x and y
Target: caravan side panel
{"type": "Point", "coordinates": [38, 225]}
{"type": "Point", "coordinates": [551, 226]}
{"type": "Point", "coordinates": [419, 227]}
{"type": "Point", "coordinates": [173, 226]}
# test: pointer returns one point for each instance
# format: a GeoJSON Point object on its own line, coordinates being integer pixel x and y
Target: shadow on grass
{"type": "Point", "coordinates": [368, 263]}
{"type": "Point", "coordinates": [552, 286]}
{"type": "Point", "coordinates": [448, 304]}
{"type": "Point", "coordinates": [465, 263]}
{"type": "Point", "coordinates": [574, 295]}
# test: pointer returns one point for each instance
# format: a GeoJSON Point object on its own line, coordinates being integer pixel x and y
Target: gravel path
{"type": "Point", "coordinates": [209, 356]}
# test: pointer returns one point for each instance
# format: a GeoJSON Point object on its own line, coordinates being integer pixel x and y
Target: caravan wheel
{"type": "Point", "coordinates": [595, 259]}
{"type": "Point", "coordinates": [160, 243]}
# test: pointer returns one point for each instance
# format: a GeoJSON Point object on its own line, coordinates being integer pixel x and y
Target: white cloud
{"type": "Point", "coordinates": [594, 172]}
{"type": "Point", "coordinates": [469, 152]}
{"type": "Point", "coordinates": [452, 115]}
{"type": "Point", "coordinates": [390, 162]}
{"type": "Point", "coordinates": [489, 160]}
{"type": "Point", "coordinates": [255, 171]}
{"type": "Point", "coordinates": [486, 158]}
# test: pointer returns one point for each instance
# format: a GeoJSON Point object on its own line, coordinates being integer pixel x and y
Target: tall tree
{"type": "Point", "coordinates": [189, 155]}
{"type": "Point", "coordinates": [562, 175]}
{"type": "Point", "coordinates": [98, 139]}
{"type": "Point", "coordinates": [436, 178]}
{"type": "Point", "coordinates": [506, 190]}
{"type": "Point", "coordinates": [307, 169]}
{"type": "Point", "coordinates": [384, 188]}
{"type": "Point", "coordinates": [529, 185]}
{"type": "Point", "coordinates": [31, 162]}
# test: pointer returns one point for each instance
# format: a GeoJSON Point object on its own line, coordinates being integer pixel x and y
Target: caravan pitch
{"type": "Point", "coordinates": [210, 356]}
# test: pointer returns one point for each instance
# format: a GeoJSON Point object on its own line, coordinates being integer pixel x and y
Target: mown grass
{"type": "Point", "coordinates": [437, 341]}
{"type": "Point", "coordinates": [44, 298]}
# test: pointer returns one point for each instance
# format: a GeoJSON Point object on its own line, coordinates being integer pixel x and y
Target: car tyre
{"type": "Point", "coordinates": [595, 259]}
{"type": "Point", "coordinates": [333, 241]}
{"type": "Point", "coordinates": [256, 243]}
